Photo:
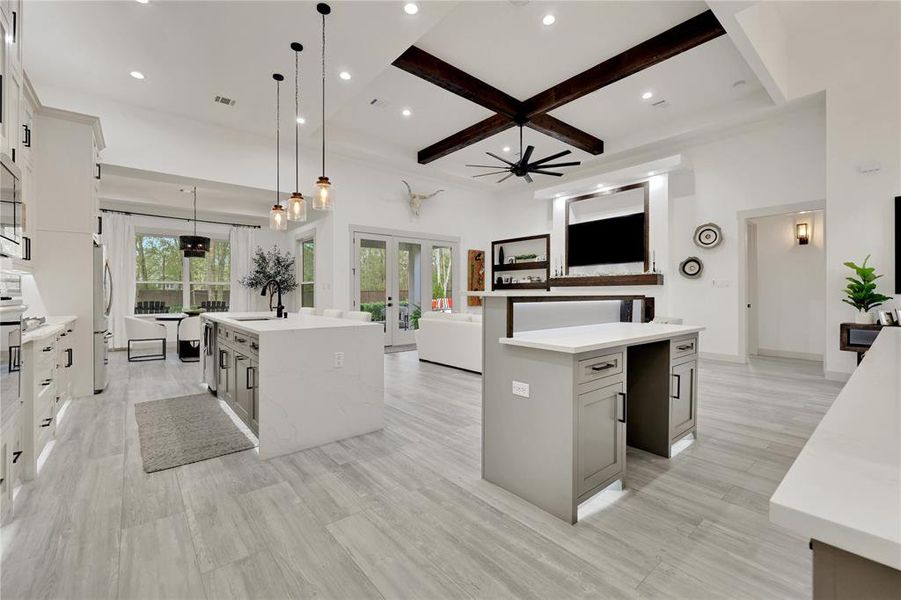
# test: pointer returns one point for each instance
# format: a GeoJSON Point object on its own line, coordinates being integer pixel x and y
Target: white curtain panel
{"type": "Point", "coordinates": [241, 240]}
{"type": "Point", "coordinates": [119, 239]}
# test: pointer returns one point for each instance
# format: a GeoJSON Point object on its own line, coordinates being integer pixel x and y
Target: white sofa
{"type": "Point", "coordinates": [452, 339]}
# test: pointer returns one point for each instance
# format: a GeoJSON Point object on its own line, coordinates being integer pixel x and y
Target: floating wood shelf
{"type": "Point", "coordinates": [599, 280]}
{"type": "Point", "coordinates": [523, 266]}
{"type": "Point", "coordinates": [531, 285]}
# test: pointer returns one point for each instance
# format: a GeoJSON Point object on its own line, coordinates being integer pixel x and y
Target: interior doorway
{"type": "Point", "coordinates": [396, 278]}
{"type": "Point", "coordinates": [785, 285]}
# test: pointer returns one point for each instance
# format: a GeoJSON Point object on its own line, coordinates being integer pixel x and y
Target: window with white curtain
{"type": "Point", "coordinates": [306, 250]}
{"type": "Point", "coordinates": [168, 282]}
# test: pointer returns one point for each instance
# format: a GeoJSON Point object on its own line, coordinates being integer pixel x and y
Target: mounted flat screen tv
{"type": "Point", "coordinates": [607, 241]}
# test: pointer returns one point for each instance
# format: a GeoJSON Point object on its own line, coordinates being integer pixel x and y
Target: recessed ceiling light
{"type": "Point", "coordinates": [651, 173]}
{"type": "Point", "coordinates": [549, 20]}
{"type": "Point", "coordinates": [411, 8]}
{"type": "Point", "coordinates": [137, 74]}
{"type": "Point", "coordinates": [406, 112]}
{"type": "Point", "coordinates": [301, 120]}
{"type": "Point", "coordinates": [506, 148]}
{"type": "Point", "coordinates": [143, 1]}
{"type": "Point", "coordinates": [344, 75]}
{"type": "Point", "coordinates": [647, 95]}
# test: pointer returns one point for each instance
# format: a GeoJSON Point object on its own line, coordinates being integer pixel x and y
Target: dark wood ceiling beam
{"type": "Point", "coordinates": [472, 134]}
{"type": "Point", "coordinates": [434, 70]}
{"type": "Point", "coordinates": [567, 134]}
{"type": "Point", "coordinates": [684, 36]}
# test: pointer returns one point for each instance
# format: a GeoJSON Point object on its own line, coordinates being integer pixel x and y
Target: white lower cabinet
{"type": "Point", "coordinates": [683, 397]}
{"type": "Point", "coordinates": [601, 435]}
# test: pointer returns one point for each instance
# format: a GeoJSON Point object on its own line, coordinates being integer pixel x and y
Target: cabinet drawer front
{"type": "Point", "coordinates": [683, 347]}
{"type": "Point", "coordinates": [600, 366]}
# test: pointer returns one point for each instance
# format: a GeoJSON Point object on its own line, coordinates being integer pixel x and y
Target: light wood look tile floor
{"type": "Point", "coordinates": [403, 513]}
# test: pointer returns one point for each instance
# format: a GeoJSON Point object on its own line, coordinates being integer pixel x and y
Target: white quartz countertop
{"type": "Point", "coordinates": [552, 293]}
{"type": "Point", "coordinates": [294, 322]}
{"type": "Point", "coordinates": [51, 326]}
{"type": "Point", "coordinates": [586, 338]}
{"type": "Point", "coordinates": [844, 488]}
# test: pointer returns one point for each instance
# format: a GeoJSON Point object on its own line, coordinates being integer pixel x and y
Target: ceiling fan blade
{"type": "Point", "coordinates": [565, 164]}
{"type": "Point", "coordinates": [551, 157]}
{"type": "Point", "coordinates": [506, 178]}
{"type": "Point", "coordinates": [503, 160]}
{"type": "Point", "coordinates": [492, 173]}
{"type": "Point", "coordinates": [527, 178]}
{"type": "Point", "coordinates": [540, 172]}
{"type": "Point", "coordinates": [527, 155]}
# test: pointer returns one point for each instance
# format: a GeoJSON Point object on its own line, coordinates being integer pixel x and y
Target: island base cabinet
{"type": "Point", "coordinates": [601, 437]}
{"type": "Point", "coordinates": [840, 575]}
{"type": "Point", "coordinates": [683, 398]}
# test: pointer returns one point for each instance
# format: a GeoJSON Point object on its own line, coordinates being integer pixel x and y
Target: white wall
{"type": "Point", "coordinates": [791, 283]}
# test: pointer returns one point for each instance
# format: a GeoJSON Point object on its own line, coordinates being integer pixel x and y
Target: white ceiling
{"type": "Point", "coordinates": [192, 51]}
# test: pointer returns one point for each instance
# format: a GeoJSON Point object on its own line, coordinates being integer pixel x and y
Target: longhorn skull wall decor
{"type": "Point", "coordinates": [416, 200]}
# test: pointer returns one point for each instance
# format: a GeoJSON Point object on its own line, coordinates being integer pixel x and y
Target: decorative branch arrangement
{"type": "Point", "coordinates": [272, 264]}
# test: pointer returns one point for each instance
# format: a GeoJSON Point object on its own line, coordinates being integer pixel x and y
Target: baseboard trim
{"type": "Point", "coordinates": [837, 375]}
{"type": "Point", "coordinates": [432, 362]}
{"type": "Point", "coordinates": [789, 354]}
{"type": "Point", "coordinates": [730, 358]}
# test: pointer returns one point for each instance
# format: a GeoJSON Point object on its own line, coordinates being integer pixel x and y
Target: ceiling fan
{"type": "Point", "coordinates": [523, 168]}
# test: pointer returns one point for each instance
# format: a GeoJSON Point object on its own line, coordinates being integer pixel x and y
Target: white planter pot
{"type": "Point", "coordinates": [864, 318]}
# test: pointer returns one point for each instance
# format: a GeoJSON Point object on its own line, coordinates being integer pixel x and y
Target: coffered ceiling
{"type": "Point", "coordinates": [192, 51]}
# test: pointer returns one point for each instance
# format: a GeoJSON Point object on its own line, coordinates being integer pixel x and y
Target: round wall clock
{"type": "Point", "coordinates": [708, 235]}
{"type": "Point", "coordinates": [691, 267]}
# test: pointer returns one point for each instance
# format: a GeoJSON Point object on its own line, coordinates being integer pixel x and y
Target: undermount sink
{"type": "Point", "coordinates": [253, 318]}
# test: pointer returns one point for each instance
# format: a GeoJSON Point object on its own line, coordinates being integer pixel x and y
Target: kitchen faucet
{"type": "Point", "coordinates": [280, 309]}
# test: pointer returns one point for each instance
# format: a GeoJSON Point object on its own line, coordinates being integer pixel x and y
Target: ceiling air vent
{"type": "Point", "coordinates": [379, 103]}
{"type": "Point", "coordinates": [224, 100]}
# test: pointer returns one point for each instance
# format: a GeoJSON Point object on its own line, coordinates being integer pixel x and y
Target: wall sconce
{"type": "Point", "coordinates": [802, 232]}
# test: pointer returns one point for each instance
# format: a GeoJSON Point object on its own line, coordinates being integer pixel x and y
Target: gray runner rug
{"type": "Point", "coordinates": [179, 431]}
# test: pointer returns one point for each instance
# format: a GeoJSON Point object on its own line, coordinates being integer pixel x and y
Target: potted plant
{"type": "Point", "coordinates": [273, 264]}
{"type": "Point", "coordinates": [861, 291]}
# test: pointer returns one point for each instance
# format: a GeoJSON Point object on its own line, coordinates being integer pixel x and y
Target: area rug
{"type": "Point", "coordinates": [400, 348]}
{"type": "Point", "coordinates": [188, 429]}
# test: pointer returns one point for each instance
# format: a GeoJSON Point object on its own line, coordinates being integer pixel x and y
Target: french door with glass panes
{"type": "Point", "coordinates": [397, 278]}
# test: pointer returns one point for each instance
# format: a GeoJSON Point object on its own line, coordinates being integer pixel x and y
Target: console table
{"type": "Point", "coordinates": [858, 337]}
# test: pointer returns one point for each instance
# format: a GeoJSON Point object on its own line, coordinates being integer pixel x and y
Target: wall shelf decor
{"type": "Point", "coordinates": [608, 280]}
{"type": "Point", "coordinates": [691, 267]}
{"type": "Point", "coordinates": [507, 273]}
{"type": "Point", "coordinates": [708, 235]}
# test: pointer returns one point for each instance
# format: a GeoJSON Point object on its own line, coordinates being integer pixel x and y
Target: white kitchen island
{"type": "Point", "coordinates": [298, 382]}
{"type": "Point", "coordinates": [560, 404]}
{"type": "Point", "coordinates": [843, 492]}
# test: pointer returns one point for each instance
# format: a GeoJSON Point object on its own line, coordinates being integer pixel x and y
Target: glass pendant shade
{"type": "Point", "coordinates": [325, 194]}
{"type": "Point", "coordinates": [278, 220]}
{"type": "Point", "coordinates": [297, 207]}
{"type": "Point", "coordinates": [193, 246]}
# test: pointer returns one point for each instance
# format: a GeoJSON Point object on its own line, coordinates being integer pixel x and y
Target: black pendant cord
{"type": "Point", "coordinates": [195, 211]}
{"type": "Point", "coordinates": [323, 94]}
{"type": "Point", "coordinates": [278, 82]}
{"type": "Point", "coordinates": [296, 123]}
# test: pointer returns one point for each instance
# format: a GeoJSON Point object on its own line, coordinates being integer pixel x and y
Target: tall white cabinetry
{"type": "Point", "coordinates": [67, 159]}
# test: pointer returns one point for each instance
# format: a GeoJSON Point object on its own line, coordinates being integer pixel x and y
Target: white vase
{"type": "Point", "coordinates": [863, 318]}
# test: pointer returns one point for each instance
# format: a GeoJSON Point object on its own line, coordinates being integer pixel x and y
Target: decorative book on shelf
{"type": "Point", "coordinates": [521, 263]}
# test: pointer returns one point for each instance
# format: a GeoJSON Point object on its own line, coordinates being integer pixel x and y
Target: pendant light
{"type": "Point", "coordinates": [277, 218]}
{"type": "Point", "coordinates": [325, 194]}
{"type": "Point", "coordinates": [297, 206]}
{"type": "Point", "coordinates": [194, 246]}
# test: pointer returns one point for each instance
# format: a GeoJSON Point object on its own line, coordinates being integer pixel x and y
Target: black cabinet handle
{"type": "Point", "coordinates": [27, 141]}
{"type": "Point", "coordinates": [16, 456]}
{"type": "Point", "coordinates": [678, 386]}
{"type": "Point", "coordinates": [685, 347]}
{"type": "Point", "coordinates": [97, 176]}
{"type": "Point", "coordinates": [47, 422]}
{"type": "Point", "coordinates": [47, 349]}
{"type": "Point", "coordinates": [603, 367]}
{"type": "Point", "coordinates": [71, 357]}
{"type": "Point", "coordinates": [622, 395]}
{"type": "Point", "coordinates": [26, 253]}
{"type": "Point", "coordinates": [223, 364]}
{"type": "Point", "coordinates": [247, 383]}
{"type": "Point", "coordinates": [254, 346]}
{"type": "Point", "coordinates": [99, 218]}
{"type": "Point", "coordinates": [46, 382]}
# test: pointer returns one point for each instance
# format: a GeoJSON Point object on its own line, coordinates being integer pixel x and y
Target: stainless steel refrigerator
{"type": "Point", "coordinates": [103, 299]}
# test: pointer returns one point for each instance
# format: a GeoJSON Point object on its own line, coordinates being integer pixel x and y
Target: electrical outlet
{"type": "Point", "coordinates": [520, 389]}
{"type": "Point", "coordinates": [722, 283]}
{"type": "Point", "coordinates": [339, 360]}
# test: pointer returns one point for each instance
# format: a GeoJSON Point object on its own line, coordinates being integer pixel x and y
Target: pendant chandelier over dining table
{"type": "Point", "coordinates": [194, 246]}
{"type": "Point", "coordinates": [278, 220]}
{"type": "Point", "coordinates": [325, 194]}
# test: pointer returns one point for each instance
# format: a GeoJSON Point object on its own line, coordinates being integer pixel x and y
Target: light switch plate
{"type": "Point", "coordinates": [339, 360]}
{"type": "Point", "coordinates": [721, 283]}
{"type": "Point", "coordinates": [521, 389]}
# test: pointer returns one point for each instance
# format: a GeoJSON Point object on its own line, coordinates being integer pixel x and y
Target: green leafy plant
{"type": "Point", "coordinates": [273, 264]}
{"type": "Point", "coordinates": [861, 290]}
{"type": "Point", "coordinates": [524, 257]}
